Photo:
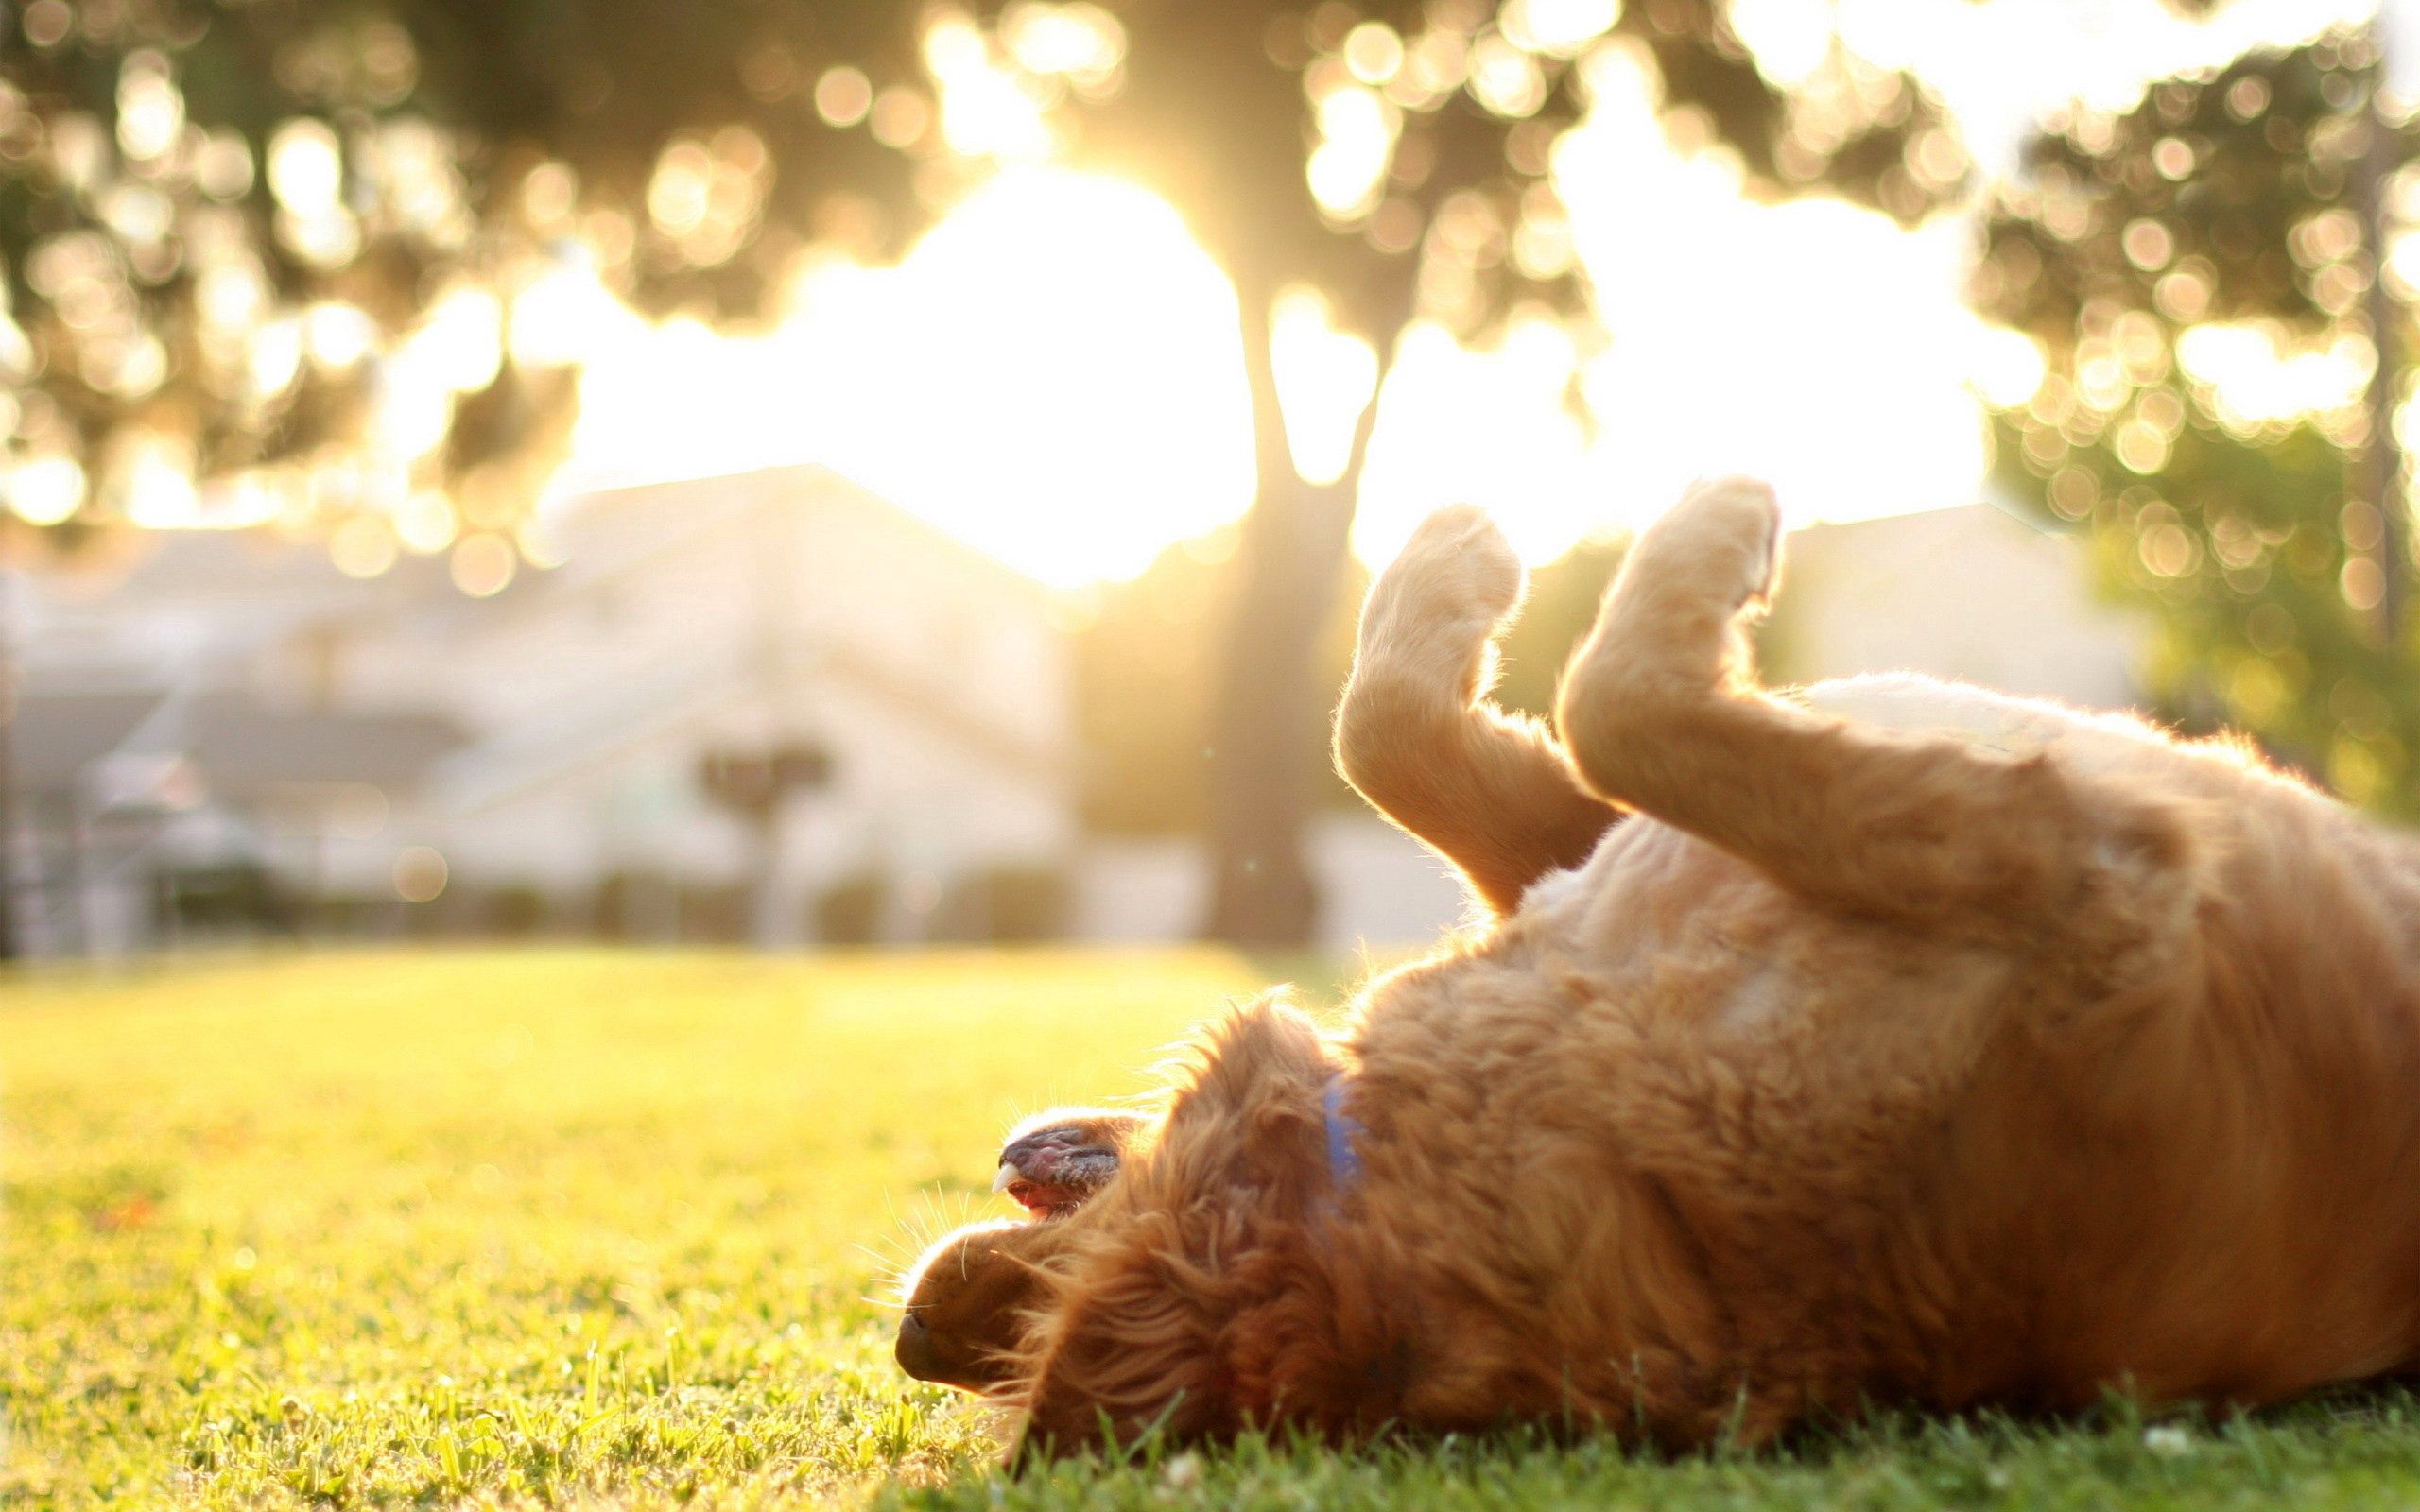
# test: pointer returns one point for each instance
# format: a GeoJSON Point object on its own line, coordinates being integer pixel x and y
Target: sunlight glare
{"type": "Point", "coordinates": [1080, 42]}
{"type": "Point", "coordinates": [1789, 39]}
{"type": "Point", "coordinates": [2254, 380]}
{"type": "Point", "coordinates": [1485, 427]}
{"type": "Point", "coordinates": [2009, 367]}
{"type": "Point", "coordinates": [1347, 171]}
{"type": "Point", "coordinates": [1559, 28]}
{"type": "Point", "coordinates": [985, 110]}
{"type": "Point", "coordinates": [1053, 374]}
{"type": "Point", "coordinates": [1325, 378]}
{"type": "Point", "coordinates": [556, 316]}
{"type": "Point", "coordinates": [46, 490]}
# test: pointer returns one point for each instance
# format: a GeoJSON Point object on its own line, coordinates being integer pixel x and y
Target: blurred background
{"type": "Point", "coordinates": [797, 472]}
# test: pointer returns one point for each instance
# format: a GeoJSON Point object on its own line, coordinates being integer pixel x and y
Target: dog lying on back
{"type": "Point", "coordinates": [1895, 1042]}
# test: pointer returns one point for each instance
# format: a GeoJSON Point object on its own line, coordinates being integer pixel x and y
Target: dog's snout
{"type": "Point", "coordinates": [915, 1349]}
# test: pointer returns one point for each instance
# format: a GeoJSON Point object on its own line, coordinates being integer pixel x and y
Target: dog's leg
{"type": "Point", "coordinates": [1416, 734]}
{"type": "Point", "coordinates": [1659, 710]}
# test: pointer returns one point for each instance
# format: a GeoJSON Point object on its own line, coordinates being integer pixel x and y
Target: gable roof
{"type": "Point", "coordinates": [55, 736]}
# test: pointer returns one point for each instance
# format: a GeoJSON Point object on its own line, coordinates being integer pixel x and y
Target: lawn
{"type": "Point", "coordinates": [608, 1229]}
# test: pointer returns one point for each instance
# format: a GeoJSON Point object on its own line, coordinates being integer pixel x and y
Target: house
{"type": "Point", "coordinates": [736, 698]}
{"type": "Point", "coordinates": [919, 686]}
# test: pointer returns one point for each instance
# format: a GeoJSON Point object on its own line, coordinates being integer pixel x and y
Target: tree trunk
{"type": "Point", "coordinates": [1268, 725]}
{"type": "Point", "coordinates": [12, 909]}
{"type": "Point", "coordinates": [2379, 474]}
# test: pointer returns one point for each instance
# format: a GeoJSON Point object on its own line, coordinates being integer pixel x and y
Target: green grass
{"type": "Point", "coordinates": [593, 1229]}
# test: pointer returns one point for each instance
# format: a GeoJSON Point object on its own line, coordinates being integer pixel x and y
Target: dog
{"type": "Point", "coordinates": [1891, 1042]}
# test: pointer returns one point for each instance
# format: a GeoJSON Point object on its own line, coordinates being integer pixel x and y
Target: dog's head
{"type": "Point", "coordinates": [970, 1299]}
{"type": "Point", "coordinates": [1193, 1297]}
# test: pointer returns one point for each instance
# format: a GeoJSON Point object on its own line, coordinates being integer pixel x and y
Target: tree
{"type": "Point", "coordinates": [296, 261]}
{"type": "Point", "coordinates": [2227, 226]}
{"type": "Point", "coordinates": [1146, 679]}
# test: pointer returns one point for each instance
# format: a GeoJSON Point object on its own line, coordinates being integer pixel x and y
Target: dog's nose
{"type": "Point", "coordinates": [915, 1349]}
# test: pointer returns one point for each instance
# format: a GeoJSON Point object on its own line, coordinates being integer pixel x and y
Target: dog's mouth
{"type": "Point", "coordinates": [1052, 1172]}
{"type": "Point", "coordinates": [1039, 1198]}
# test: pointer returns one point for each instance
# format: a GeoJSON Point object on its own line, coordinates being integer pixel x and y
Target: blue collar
{"type": "Point", "coordinates": [1343, 1165]}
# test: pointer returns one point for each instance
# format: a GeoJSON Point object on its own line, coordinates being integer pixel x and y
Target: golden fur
{"type": "Point", "coordinates": [967, 1298]}
{"type": "Point", "coordinates": [2007, 1056]}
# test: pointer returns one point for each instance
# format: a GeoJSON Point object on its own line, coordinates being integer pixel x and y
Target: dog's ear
{"type": "Point", "coordinates": [1269, 1036]}
{"type": "Point", "coordinates": [1147, 1331]}
{"type": "Point", "coordinates": [1248, 1116]}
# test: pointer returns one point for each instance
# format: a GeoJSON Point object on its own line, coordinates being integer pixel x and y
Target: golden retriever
{"type": "Point", "coordinates": [1893, 1042]}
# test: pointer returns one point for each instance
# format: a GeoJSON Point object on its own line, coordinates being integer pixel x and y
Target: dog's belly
{"type": "Point", "coordinates": [1651, 900]}
{"type": "Point", "coordinates": [2084, 741]}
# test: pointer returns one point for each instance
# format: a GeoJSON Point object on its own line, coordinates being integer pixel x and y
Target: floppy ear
{"type": "Point", "coordinates": [1250, 1112]}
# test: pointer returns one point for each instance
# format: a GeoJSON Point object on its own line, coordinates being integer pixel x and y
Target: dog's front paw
{"type": "Point", "coordinates": [1456, 570]}
{"type": "Point", "coordinates": [1672, 626]}
{"type": "Point", "coordinates": [1055, 1161]}
{"type": "Point", "coordinates": [1723, 539]}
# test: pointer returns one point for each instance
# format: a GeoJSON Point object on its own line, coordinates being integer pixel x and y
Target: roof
{"type": "Point", "coordinates": [246, 747]}
{"type": "Point", "coordinates": [56, 735]}
{"type": "Point", "coordinates": [189, 611]}
{"type": "Point", "coordinates": [617, 524]}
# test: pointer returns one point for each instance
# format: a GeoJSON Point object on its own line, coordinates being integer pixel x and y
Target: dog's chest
{"type": "Point", "coordinates": [2017, 726]}
{"type": "Point", "coordinates": [1689, 944]}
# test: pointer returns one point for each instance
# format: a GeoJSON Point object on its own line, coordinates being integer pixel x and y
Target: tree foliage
{"type": "Point", "coordinates": [2183, 266]}
{"type": "Point", "coordinates": [318, 259]}
{"type": "Point", "coordinates": [224, 220]}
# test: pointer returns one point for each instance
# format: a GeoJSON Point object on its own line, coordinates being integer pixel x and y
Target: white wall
{"type": "Point", "coordinates": [1968, 592]}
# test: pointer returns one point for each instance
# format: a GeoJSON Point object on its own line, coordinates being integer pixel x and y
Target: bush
{"type": "Point", "coordinates": [850, 911]}
{"type": "Point", "coordinates": [1005, 902]}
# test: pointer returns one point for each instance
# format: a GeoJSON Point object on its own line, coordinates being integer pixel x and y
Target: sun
{"type": "Point", "coordinates": [1054, 374]}
{"type": "Point", "coordinates": [1061, 379]}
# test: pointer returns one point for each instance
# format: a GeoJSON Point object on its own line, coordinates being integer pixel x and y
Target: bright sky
{"type": "Point", "coordinates": [1054, 373]}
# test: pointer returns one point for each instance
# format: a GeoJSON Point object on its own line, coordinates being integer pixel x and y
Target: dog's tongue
{"type": "Point", "coordinates": [1039, 1198]}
